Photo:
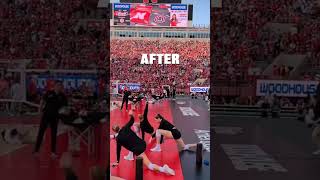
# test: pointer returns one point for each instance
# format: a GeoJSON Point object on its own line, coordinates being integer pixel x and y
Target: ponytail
{"type": "Point", "coordinates": [158, 116]}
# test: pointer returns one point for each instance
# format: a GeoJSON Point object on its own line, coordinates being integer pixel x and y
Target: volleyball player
{"type": "Point", "coordinates": [169, 131]}
{"type": "Point", "coordinates": [144, 124]}
{"type": "Point", "coordinates": [157, 97]}
{"type": "Point", "coordinates": [128, 139]}
{"type": "Point", "coordinates": [136, 99]}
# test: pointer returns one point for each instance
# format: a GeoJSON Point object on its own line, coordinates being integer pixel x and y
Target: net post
{"type": "Point", "coordinates": [139, 168]}
{"type": "Point", "coordinates": [199, 154]}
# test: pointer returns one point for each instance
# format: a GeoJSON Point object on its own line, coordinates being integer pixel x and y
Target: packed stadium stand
{"type": "Point", "coordinates": [49, 36]}
{"type": "Point", "coordinates": [193, 65]}
{"type": "Point", "coordinates": [257, 40]}
{"type": "Point", "coordinates": [192, 44]}
{"type": "Point", "coordinates": [49, 40]}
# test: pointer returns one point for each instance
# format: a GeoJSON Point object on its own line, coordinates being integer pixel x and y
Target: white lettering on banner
{"type": "Point", "coordinates": [286, 88]}
{"type": "Point", "coordinates": [139, 15]}
{"type": "Point", "coordinates": [161, 58]}
{"type": "Point", "coordinates": [204, 137]}
{"type": "Point", "coordinates": [188, 111]}
{"type": "Point", "coordinates": [245, 157]}
{"type": "Point", "coordinates": [199, 89]}
{"type": "Point", "coordinates": [122, 6]}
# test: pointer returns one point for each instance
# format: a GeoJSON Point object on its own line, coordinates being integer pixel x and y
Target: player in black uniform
{"type": "Point", "coordinates": [144, 124]}
{"type": "Point", "coordinates": [169, 131]}
{"type": "Point", "coordinates": [174, 92]}
{"type": "Point", "coordinates": [157, 98]}
{"type": "Point", "coordinates": [50, 105]}
{"type": "Point", "coordinates": [128, 139]}
{"type": "Point", "coordinates": [136, 99]}
{"type": "Point", "coordinates": [125, 99]}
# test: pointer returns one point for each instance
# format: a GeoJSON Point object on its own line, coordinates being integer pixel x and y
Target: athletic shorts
{"type": "Point", "coordinates": [147, 128]}
{"type": "Point", "coordinates": [176, 134]}
{"type": "Point", "coordinates": [140, 148]}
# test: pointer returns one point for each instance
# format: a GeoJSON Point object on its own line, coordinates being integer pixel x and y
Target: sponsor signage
{"type": "Point", "coordinates": [179, 15]}
{"type": "Point", "coordinates": [199, 89]}
{"type": "Point", "coordinates": [121, 14]}
{"type": "Point", "coordinates": [286, 88]}
{"type": "Point", "coordinates": [130, 86]}
{"type": "Point", "coordinates": [70, 82]}
{"type": "Point", "coordinates": [157, 15]}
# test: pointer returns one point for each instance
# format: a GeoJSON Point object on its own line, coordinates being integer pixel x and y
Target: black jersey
{"type": "Point", "coordinates": [129, 140]}
{"type": "Point", "coordinates": [165, 125]}
{"type": "Point", "coordinates": [144, 124]}
{"type": "Point", "coordinates": [53, 102]}
{"type": "Point", "coordinates": [126, 94]}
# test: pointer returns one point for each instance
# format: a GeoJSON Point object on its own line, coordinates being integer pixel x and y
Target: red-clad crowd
{"type": "Point", "coordinates": [242, 35]}
{"type": "Point", "coordinates": [54, 34]}
{"type": "Point", "coordinates": [126, 56]}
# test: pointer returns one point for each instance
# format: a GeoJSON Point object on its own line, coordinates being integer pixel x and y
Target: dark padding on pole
{"type": "Point", "coordinates": [139, 168]}
{"type": "Point", "coordinates": [199, 154]}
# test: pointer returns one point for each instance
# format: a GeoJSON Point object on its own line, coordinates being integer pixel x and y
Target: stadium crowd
{"type": "Point", "coordinates": [65, 35]}
{"type": "Point", "coordinates": [54, 34]}
{"type": "Point", "coordinates": [126, 55]}
{"type": "Point", "coordinates": [242, 35]}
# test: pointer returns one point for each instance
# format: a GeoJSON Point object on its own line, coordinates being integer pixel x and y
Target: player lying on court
{"type": "Point", "coordinates": [144, 126]}
{"type": "Point", "coordinates": [136, 99]}
{"type": "Point", "coordinates": [128, 139]}
{"type": "Point", "coordinates": [157, 98]}
{"type": "Point", "coordinates": [168, 131]}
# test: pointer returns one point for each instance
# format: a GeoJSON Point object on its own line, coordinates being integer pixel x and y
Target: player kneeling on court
{"type": "Point", "coordinates": [168, 131]}
{"type": "Point", "coordinates": [128, 139]}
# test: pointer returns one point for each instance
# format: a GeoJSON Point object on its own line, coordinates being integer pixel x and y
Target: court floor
{"type": "Point", "coordinates": [191, 117]}
{"type": "Point", "coordinates": [251, 148]}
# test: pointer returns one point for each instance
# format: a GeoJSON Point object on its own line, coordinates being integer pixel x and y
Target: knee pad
{"type": "Point", "coordinates": [135, 128]}
{"type": "Point", "coordinates": [158, 134]}
{"type": "Point", "coordinates": [151, 166]}
{"type": "Point", "coordinates": [186, 147]}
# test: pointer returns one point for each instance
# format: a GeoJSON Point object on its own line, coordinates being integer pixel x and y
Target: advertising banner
{"type": "Point", "coordinates": [286, 88]}
{"type": "Point", "coordinates": [152, 15]}
{"type": "Point", "coordinates": [160, 15]}
{"type": "Point", "coordinates": [70, 82]}
{"type": "Point", "coordinates": [121, 14]}
{"type": "Point", "coordinates": [131, 86]}
{"type": "Point", "coordinates": [179, 15]}
{"type": "Point", "coordinates": [199, 89]}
